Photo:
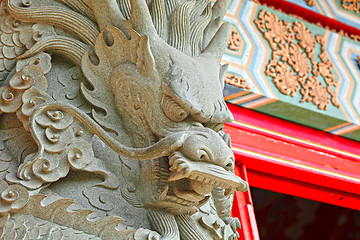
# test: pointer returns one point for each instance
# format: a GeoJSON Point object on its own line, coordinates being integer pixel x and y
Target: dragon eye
{"type": "Point", "coordinates": [173, 110]}
{"type": "Point", "coordinates": [203, 155]}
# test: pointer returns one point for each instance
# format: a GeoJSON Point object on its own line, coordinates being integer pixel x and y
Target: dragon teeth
{"type": "Point", "coordinates": [179, 201]}
{"type": "Point", "coordinates": [200, 178]}
{"type": "Point", "coordinates": [228, 191]}
{"type": "Point", "coordinates": [206, 180]}
{"type": "Point", "coordinates": [212, 181]}
{"type": "Point", "coordinates": [202, 202]}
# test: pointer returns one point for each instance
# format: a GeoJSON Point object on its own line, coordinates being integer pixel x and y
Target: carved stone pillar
{"type": "Point", "coordinates": [111, 120]}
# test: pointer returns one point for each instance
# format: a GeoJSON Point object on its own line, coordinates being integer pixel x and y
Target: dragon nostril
{"type": "Point", "coordinates": [229, 166]}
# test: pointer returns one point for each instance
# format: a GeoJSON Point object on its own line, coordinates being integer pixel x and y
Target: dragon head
{"type": "Point", "coordinates": [205, 160]}
{"type": "Point", "coordinates": [152, 71]}
{"type": "Point", "coordinates": [164, 85]}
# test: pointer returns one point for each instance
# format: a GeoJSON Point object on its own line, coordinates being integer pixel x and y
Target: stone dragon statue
{"type": "Point", "coordinates": [111, 120]}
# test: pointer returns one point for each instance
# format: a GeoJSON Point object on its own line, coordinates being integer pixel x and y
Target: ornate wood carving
{"type": "Point", "coordinates": [294, 66]}
{"type": "Point", "coordinates": [235, 40]}
{"type": "Point", "coordinates": [236, 80]}
{"type": "Point", "coordinates": [351, 5]}
{"type": "Point", "coordinates": [310, 2]}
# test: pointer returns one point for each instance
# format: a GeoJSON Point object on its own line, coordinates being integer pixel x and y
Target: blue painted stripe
{"type": "Point", "coordinates": [260, 50]}
{"type": "Point", "coordinates": [347, 47]}
{"type": "Point", "coordinates": [344, 87]}
{"type": "Point", "coordinates": [245, 75]}
{"type": "Point", "coordinates": [302, 3]}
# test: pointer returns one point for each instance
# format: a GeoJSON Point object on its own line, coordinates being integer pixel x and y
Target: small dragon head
{"type": "Point", "coordinates": [205, 160]}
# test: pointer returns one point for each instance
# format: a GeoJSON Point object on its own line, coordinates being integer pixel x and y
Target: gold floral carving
{"type": "Point", "coordinates": [354, 37]}
{"type": "Point", "coordinates": [310, 2]}
{"type": "Point", "coordinates": [351, 5]}
{"type": "Point", "coordinates": [294, 66]}
{"type": "Point", "coordinates": [235, 40]}
{"type": "Point", "coordinates": [236, 81]}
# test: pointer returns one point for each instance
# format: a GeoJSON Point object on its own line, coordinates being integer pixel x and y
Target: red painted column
{"type": "Point", "coordinates": [243, 209]}
{"type": "Point", "coordinates": [289, 158]}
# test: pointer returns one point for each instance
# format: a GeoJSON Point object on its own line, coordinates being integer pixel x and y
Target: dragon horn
{"type": "Point", "coordinates": [141, 19]}
{"type": "Point", "coordinates": [107, 13]}
{"type": "Point", "coordinates": [216, 47]}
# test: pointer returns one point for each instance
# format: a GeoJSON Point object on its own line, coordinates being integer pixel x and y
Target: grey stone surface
{"type": "Point", "coordinates": [111, 120]}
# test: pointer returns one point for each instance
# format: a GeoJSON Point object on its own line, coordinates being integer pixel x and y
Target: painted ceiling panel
{"type": "Point", "coordinates": [289, 68]}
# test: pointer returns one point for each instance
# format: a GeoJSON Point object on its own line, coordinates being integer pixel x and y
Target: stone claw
{"type": "Point", "coordinates": [234, 223]}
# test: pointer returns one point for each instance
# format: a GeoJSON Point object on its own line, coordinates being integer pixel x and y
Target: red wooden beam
{"type": "Point", "coordinates": [243, 209]}
{"type": "Point", "coordinates": [304, 190]}
{"type": "Point", "coordinates": [279, 157]}
{"type": "Point", "coordinates": [295, 130]}
{"type": "Point", "coordinates": [293, 159]}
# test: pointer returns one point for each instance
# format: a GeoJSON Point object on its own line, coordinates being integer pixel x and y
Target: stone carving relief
{"type": "Point", "coordinates": [310, 2]}
{"type": "Point", "coordinates": [294, 66]}
{"type": "Point", "coordinates": [111, 120]}
{"type": "Point", "coordinates": [235, 40]}
{"type": "Point", "coordinates": [236, 80]}
{"type": "Point", "coordinates": [351, 5]}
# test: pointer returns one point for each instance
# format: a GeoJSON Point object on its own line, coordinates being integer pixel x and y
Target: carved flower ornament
{"type": "Point", "coordinates": [351, 5]}
{"type": "Point", "coordinates": [293, 65]}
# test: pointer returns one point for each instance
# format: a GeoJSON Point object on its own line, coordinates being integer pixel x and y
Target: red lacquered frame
{"type": "Point", "coordinates": [292, 159]}
{"type": "Point", "coordinates": [310, 16]}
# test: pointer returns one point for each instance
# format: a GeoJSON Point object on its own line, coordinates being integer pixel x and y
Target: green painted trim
{"type": "Point", "coordinates": [302, 116]}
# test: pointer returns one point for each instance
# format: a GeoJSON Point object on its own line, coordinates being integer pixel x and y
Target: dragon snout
{"type": "Point", "coordinates": [229, 165]}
